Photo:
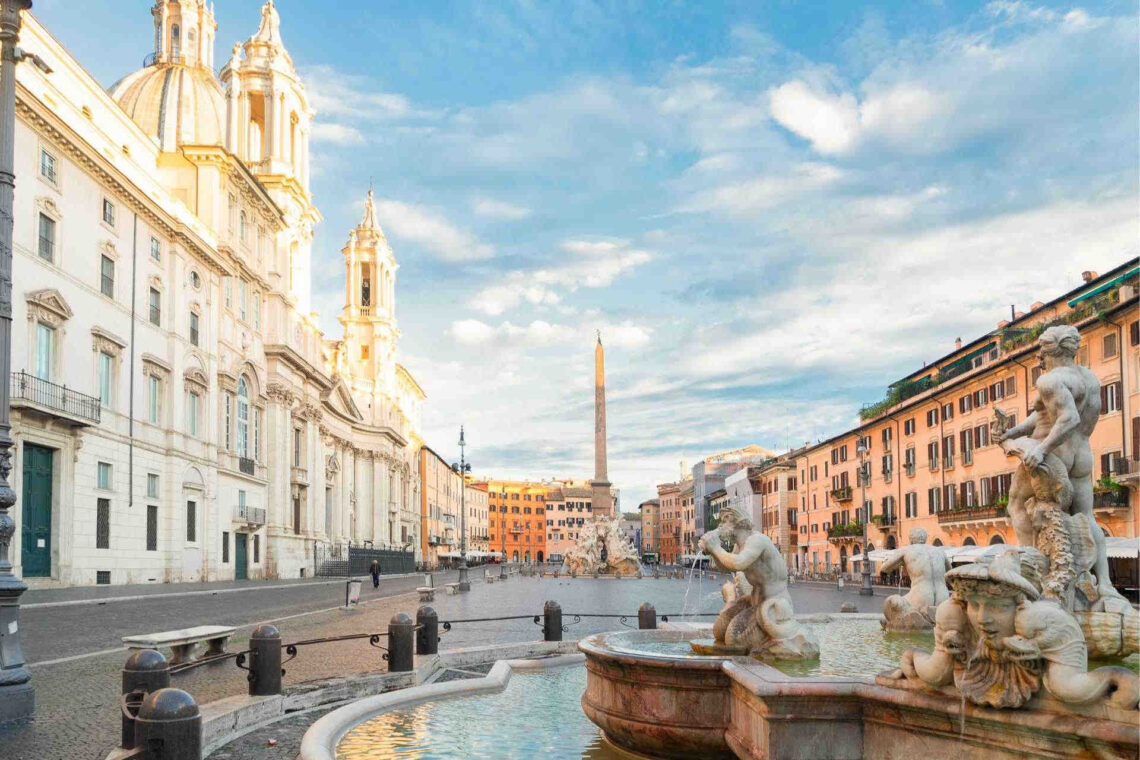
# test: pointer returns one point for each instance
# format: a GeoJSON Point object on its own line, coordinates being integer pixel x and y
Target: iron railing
{"type": "Point", "coordinates": [246, 465]}
{"type": "Point", "coordinates": [1115, 498]}
{"type": "Point", "coordinates": [254, 515]}
{"type": "Point", "coordinates": [347, 560]}
{"type": "Point", "coordinates": [59, 398]}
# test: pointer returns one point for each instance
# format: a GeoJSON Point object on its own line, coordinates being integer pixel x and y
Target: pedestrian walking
{"type": "Point", "coordinates": [375, 570]}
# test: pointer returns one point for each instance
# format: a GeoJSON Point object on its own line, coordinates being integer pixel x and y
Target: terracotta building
{"type": "Point", "coordinates": [439, 506]}
{"type": "Point", "coordinates": [923, 456]}
{"type": "Point", "coordinates": [669, 495]}
{"type": "Point", "coordinates": [650, 526]}
{"type": "Point", "coordinates": [517, 519]}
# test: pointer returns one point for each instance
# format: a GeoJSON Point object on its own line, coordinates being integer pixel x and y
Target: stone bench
{"type": "Point", "coordinates": [488, 577]}
{"type": "Point", "coordinates": [182, 642]}
{"type": "Point", "coordinates": [451, 588]}
{"type": "Point", "coordinates": [427, 593]}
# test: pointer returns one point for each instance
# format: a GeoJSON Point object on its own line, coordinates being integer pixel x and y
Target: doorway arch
{"type": "Point", "coordinates": [997, 540]}
{"type": "Point", "coordinates": [539, 558]}
{"type": "Point", "coordinates": [969, 541]}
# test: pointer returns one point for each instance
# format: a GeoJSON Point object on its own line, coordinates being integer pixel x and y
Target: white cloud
{"type": "Point", "coordinates": [597, 264]}
{"type": "Point", "coordinates": [762, 193]}
{"type": "Point", "coordinates": [332, 92]}
{"type": "Point", "coordinates": [497, 209]}
{"type": "Point", "coordinates": [829, 122]}
{"type": "Point", "coordinates": [340, 134]}
{"type": "Point", "coordinates": [431, 230]}
{"type": "Point", "coordinates": [541, 333]}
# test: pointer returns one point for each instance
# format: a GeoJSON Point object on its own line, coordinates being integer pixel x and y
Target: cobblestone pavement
{"type": "Point", "coordinates": [73, 594]}
{"type": "Point", "coordinates": [77, 700]}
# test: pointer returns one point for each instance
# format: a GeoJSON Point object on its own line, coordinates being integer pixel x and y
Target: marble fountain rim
{"type": "Point", "coordinates": [321, 739]}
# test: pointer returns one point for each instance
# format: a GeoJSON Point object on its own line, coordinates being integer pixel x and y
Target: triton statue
{"type": "Point", "coordinates": [760, 621]}
{"type": "Point", "coordinates": [926, 566]}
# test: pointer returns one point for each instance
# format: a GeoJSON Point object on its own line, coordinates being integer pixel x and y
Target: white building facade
{"type": "Point", "coordinates": [178, 415]}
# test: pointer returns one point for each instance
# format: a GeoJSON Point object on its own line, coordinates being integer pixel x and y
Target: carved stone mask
{"type": "Point", "coordinates": [992, 617]}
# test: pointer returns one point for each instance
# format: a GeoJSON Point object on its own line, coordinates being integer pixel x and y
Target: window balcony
{"type": "Point", "coordinates": [30, 392]}
{"type": "Point", "coordinates": [300, 476]}
{"type": "Point", "coordinates": [969, 514]}
{"type": "Point", "coordinates": [839, 533]}
{"type": "Point", "coordinates": [841, 494]}
{"type": "Point", "coordinates": [246, 465]}
{"type": "Point", "coordinates": [885, 523]}
{"type": "Point", "coordinates": [1113, 498]}
{"type": "Point", "coordinates": [251, 515]}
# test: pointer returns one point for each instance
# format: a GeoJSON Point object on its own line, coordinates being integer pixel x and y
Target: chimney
{"type": "Point", "coordinates": [1089, 275]}
{"type": "Point", "coordinates": [957, 344]}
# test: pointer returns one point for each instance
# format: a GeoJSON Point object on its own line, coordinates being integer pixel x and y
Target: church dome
{"type": "Point", "coordinates": [175, 103]}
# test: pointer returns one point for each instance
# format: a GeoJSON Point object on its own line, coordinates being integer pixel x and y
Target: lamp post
{"type": "Point", "coordinates": [17, 696]}
{"type": "Point", "coordinates": [463, 468]}
{"type": "Point", "coordinates": [861, 449]}
{"type": "Point", "coordinates": [503, 530]}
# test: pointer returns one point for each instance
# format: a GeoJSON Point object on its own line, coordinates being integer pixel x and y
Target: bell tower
{"type": "Point", "coordinates": [268, 123]}
{"type": "Point", "coordinates": [369, 315]}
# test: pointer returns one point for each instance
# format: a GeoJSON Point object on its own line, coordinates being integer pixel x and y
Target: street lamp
{"type": "Point", "coordinates": [462, 468]}
{"type": "Point", "coordinates": [864, 471]}
{"type": "Point", "coordinates": [17, 696]}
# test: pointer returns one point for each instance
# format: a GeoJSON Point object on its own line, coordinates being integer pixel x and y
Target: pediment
{"type": "Point", "coordinates": [339, 399]}
{"type": "Point", "coordinates": [52, 301]}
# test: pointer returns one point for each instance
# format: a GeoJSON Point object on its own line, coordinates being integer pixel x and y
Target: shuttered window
{"type": "Point", "coordinates": [1134, 333]}
{"type": "Point", "coordinates": [1110, 397]}
{"type": "Point", "coordinates": [152, 528]}
{"type": "Point", "coordinates": [1010, 385]}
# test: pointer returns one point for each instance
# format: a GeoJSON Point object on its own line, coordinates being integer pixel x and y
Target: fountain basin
{"type": "Point", "coordinates": [650, 697]}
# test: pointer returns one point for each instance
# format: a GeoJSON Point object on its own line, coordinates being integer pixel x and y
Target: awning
{"type": "Point", "coordinates": [1107, 286]}
{"type": "Point", "coordinates": [1122, 548]}
{"type": "Point", "coordinates": [877, 555]}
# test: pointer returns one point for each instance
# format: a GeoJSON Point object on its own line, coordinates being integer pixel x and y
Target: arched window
{"type": "Point", "coordinates": [175, 43]}
{"type": "Point", "coordinates": [243, 418]}
{"type": "Point", "coordinates": [997, 540]}
{"type": "Point", "coordinates": [938, 542]}
{"type": "Point", "coordinates": [969, 541]}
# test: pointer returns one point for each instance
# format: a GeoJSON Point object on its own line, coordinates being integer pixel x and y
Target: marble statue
{"type": "Point", "coordinates": [997, 641]}
{"type": "Point", "coordinates": [926, 566]}
{"type": "Point", "coordinates": [759, 619]}
{"type": "Point", "coordinates": [1051, 498]}
{"type": "Point", "coordinates": [603, 549]}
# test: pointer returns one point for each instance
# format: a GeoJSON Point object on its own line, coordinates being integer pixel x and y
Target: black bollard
{"type": "Point", "coordinates": [552, 622]}
{"type": "Point", "coordinates": [401, 644]}
{"type": "Point", "coordinates": [145, 671]}
{"type": "Point", "coordinates": [265, 661]}
{"type": "Point", "coordinates": [427, 631]}
{"type": "Point", "coordinates": [169, 726]}
{"type": "Point", "coordinates": [647, 617]}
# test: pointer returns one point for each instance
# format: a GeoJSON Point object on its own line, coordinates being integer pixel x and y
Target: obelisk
{"type": "Point", "coordinates": [602, 498]}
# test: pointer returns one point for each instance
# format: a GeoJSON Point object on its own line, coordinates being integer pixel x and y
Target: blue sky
{"type": "Point", "coordinates": [771, 210]}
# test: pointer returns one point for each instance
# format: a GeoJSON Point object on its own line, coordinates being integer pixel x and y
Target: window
{"type": "Point", "coordinates": [948, 451]}
{"type": "Point", "coordinates": [243, 227]}
{"type": "Point", "coordinates": [1111, 397]}
{"type": "Point", "coordinates": [932, 454]}
{"type": "Point", "coordinates": [153, 388]}
{"type": "Point", "coordinates": [933, 500]}
{"type": "Point", "coordinates": [932, 418]}
{"type": "Point", "coordinates": [297, 447]}
{"type": "Point", "coordinates": [103, 476]}
{"type": "Point", "coordinates": [908, 426]}
{"type": "Point", "coordinates": [911, 504]}
{"type": "Point", "coordinates": [193, 329]}
{"type": "Point", "coordinates": [229, 292]}
{"type": "Point", "coordinates": [102, 523]}
{"type": "Point", "coordinates": [947, 411]}
{"type": "Point", "coordinates": [965, 404]}
{"type": "Point", "coordinates": [257, 435]}
{"type": "Point", "coordinates": [155, 249]}
{"type": "Point", "coordinates": [108, 212]}
{"type": "Point", "coordinates": [227, 401]}
{"type": "Point", "coordinates": [191, 521]}
{"type": "Point", "coordinates": [243, 418]}
{"type": "Point", "coordinates": [981, 436]}
{"type": "Point", "coordinates": [107, 276]}
{"type": "Point", "coordinates": [232, 212]}
{"type": "Point", "coordinates": [967, 445]}
{"type": "Point", "coordinates": [48, 167]}
{"type": "Point", "coordinates": [195, 280]}
{"type": "Point", "coordinates": [193, 404]}
{"type": "Point", "coordinates": [151, 528]}
{"type": "Point", "coordinates": [45, 351]}
{"type": "Point", "coordinates": [225, 547]}
{"type": "Point", "coordinates": [243, 293]}
{"type": "Point", "coordinates": [1108, 346]}
{"type": "Point", "coordinates": [151, 485]}
{"type": "Point", "coordinates": [106, 369]}
{"type": "Point", "coordinates": [46, 247]}
{"type": "Point", "coordinates": [155, 307]}
{"type": "Point", "coordinates": [256, 548]}
{"type": "Point", "coordinates": [1134, 333]}
{"type": "Point", "coordinates": [257, 311]}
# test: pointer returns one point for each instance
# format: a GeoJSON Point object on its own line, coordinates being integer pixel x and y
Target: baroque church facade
{"type": "Point", "coordinates": [177, 412]}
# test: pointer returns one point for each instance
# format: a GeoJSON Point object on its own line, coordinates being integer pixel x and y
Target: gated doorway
{"type": "Point", "coordinates": [241, 560]}
{"type": "Point", "coordinates": [35, 553]}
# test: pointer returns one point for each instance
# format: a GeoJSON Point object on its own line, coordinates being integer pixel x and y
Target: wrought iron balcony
{"type": "Point", "coordinates": [966, 514]}
{"type": "Point", "coordinates": [36, 393]}
{"type": "Point", "coordinates": [252, 515]}
{"type": "Point", "coordinates": [1116, 498]}
{"type": "Point", "coordinates": [841, 494]}
{"type": "Point", "coordinates": [246, 465]}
